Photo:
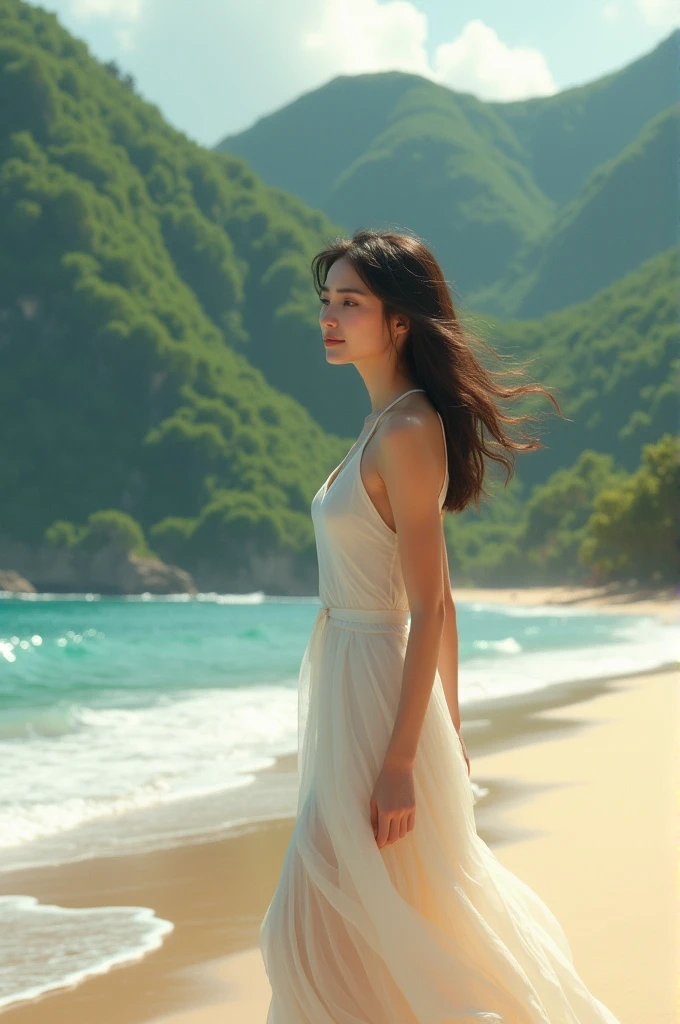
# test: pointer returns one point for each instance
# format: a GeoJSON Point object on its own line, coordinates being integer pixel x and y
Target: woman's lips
{"type": "Point", "coordinates": [333, 341]}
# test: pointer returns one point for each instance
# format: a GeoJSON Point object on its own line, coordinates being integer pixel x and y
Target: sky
{"type": "Point", "coordinates": [214, 67]}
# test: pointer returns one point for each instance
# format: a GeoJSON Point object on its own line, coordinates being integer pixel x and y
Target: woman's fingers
{"type": "Point", "coordinates": [374, 818]}
{"type": "Point", "coordinates": [383, 829]}
{"type": "Point", "coordinates": [390, 828]}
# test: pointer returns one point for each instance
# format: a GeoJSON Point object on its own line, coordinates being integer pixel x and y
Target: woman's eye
{"type": "Point", "coordinates": [324, 301]}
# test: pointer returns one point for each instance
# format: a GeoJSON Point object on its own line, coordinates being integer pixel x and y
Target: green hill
{"type": "Point", "coordinates": [622, 217]}
{"type": "Point", "coordinates": [613, 360]}
{"type": "Point", "coordinates": [517, 200]}
{"type": "Point", "coordinates": [398, 149]}
{"type": "Point", "coordinates": [487, 184]}
{"type": "Point", "coordinates": [590, 522]}
{"type": "Point", "coordinates": [568, 135]}
{"type": "Point", "coordinates": [136, 269]}
{"type": "Point", "coordinates": [159, 338]}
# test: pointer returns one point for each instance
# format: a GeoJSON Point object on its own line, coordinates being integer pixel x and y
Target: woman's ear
{"type": "Point", "coordinates": [401, 325]}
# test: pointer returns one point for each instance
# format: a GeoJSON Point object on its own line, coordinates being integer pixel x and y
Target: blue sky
{"type": "Point", "coordinates": [213, 67]}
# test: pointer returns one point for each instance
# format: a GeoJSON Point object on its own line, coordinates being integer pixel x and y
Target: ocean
{"type": "Point", "coordinates": [138, 723]}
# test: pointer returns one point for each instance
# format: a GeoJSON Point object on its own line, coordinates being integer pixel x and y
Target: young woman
{"type": "Point", "coordinates": [390, 909]}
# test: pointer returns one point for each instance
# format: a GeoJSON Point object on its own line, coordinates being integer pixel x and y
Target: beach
{"type": "Point", "coordinates": [639, 601]}
{"type": "Point", "coordinates": [582, 781]}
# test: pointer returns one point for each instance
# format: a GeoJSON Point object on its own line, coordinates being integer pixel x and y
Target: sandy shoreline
{"type": "Point", "coordinates": [582, 781]}
{"type": "Point", "coordinates": [594, 837]}
{"type": "Point", "coordinates": [663, 603]}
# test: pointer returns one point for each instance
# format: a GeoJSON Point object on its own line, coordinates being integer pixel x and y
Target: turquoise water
{"type": "Point", "coordinates": [186, 697]}
{"type": "Point", "coordinates": [137, 723]}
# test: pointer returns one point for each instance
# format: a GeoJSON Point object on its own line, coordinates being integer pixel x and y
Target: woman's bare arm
{"type": "Point", "coordinates": [412, 472]}
{"type": "Point", "coordinates": [448, 649]}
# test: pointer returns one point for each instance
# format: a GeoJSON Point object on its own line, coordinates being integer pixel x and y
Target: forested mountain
{"type": "Point", "coordinates": [602, 500]}
{"type": "Point", "coordinates": [135, 270]}
{"type": "Point", "coordinates": [614, 363]}
{"type": "Point", "coordinates": [622, 216]}
{"type": "Point", "coordinates": [393, 148]}
{"type": "Point", "coordinates": [160, 352]}
{"type": "Point", "coordinates": [519, 200]}
{"type": "Point", "coordinates": [568, 135]}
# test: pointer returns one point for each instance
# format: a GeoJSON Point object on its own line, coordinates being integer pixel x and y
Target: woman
{"type": "Point", "coordinates": [390, 909]}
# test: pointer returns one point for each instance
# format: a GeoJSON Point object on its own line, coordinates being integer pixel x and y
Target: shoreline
{"type": "Point", "coordinates": [569, 852]}
{"type": "Point", "coordinates": [661, 602]}
{"type": "Point", "coordinates": [215, 891]}
{"type": "Point", "coordinates": [612, 597]}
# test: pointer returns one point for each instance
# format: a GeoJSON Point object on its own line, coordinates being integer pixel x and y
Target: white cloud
{"type": "Point", "coordinates": [124, 15]}
{"type": "Point", "coordinates": [611, 11]}
{"type": "Point", "coordinates": [332, 37]}
{"type": "Point", "coordinates": [360, 36]}
{"type": "Point", "coordinates": [215, 66]}
{"type": "Point", "coordinates": [481, 63]}
{"type": "Point", "coordinates": [125, 39]}
{"type": "Point", "coordinates": [663, 14]}
{"type": "Point", "coordinates": [128, 10]}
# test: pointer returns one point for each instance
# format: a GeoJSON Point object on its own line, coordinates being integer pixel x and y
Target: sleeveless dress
{"type": "Point", "coordinates": [431, 929]}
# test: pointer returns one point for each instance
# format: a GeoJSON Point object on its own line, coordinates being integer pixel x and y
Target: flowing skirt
{"type": "Point", "coordinates": [431, 929]}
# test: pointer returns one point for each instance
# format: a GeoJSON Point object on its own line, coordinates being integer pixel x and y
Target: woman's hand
{"type": "Point", "coordinates": [393, 804]}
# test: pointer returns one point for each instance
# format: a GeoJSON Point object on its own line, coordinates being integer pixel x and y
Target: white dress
{"type": "Point", "coordinates": [431, 929]}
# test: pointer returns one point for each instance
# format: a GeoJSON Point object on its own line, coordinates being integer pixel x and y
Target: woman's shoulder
{"type": "Point", "coordinates": [411, 430]}
{"type": "Point", "coordinates": [415, 417]}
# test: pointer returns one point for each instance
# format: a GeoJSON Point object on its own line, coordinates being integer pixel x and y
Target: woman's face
{"type": "Point", "coordinates": [351, 312]}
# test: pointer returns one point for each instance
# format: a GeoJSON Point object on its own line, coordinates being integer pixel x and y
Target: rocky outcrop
{"type": "Point", "coordinates": [138, 575]}
{"type": "Point", "coordinates": [14, 583]}
{"type": "Point", "coordinates": [110, 570]}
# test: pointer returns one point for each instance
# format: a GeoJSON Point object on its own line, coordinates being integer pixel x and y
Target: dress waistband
{"type": "Point", "coordinates": [366, 618]}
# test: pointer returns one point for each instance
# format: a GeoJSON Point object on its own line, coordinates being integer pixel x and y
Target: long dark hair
{"type": "Point", "coordinates": [438, 356]}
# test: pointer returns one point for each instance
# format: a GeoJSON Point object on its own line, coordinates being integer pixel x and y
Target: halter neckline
{"type": "Point", "coordinates": [379, 412]}
{"type": "Point", "coordinates": [359, 447]}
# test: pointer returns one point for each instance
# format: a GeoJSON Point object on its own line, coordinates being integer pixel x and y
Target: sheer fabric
{"type": "Point", "coordinates": [432, 929]}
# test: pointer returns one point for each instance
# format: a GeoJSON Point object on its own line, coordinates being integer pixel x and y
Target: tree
{"type": "Point", "coordinates": [633, 530]}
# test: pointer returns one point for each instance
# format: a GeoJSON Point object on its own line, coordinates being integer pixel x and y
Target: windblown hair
{"type": "Point", "coordinates": [438, 356]}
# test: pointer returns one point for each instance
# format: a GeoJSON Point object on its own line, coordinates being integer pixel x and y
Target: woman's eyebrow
{"type": "Point", "coordinates": [355, 291]}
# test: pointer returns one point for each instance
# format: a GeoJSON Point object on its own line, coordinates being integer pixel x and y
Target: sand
{"type": "Point", "coordinates": [662, 603]}
{"type": "Point", "coordinates": [582, 785]}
